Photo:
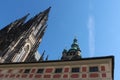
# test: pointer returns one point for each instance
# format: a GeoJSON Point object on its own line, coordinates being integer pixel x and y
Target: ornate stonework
{"type": "Point", "coordinates": [19, 40]}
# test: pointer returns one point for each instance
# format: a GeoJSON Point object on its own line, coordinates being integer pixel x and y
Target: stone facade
{"type": "Point", "coordinates": [97, 68]}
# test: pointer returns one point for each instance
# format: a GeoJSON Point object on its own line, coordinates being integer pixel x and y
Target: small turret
{"type": "Point", "coordinates": [64, 54]}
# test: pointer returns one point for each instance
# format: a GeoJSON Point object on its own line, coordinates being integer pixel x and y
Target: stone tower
{"type": "Point", "coordinates": [20, 39]}
{"type": "Point", "coordinates": [73, 53]}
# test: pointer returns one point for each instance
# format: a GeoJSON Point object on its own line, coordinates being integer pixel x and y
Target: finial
{"type": "Point", "coordinates": [50, 7]}
{"type": "Point", "coordinates": [75, 39]}
{"type": "Point", "coordinates": [47, 10]}
{"type": "Point", "coordinates": [26, 15]}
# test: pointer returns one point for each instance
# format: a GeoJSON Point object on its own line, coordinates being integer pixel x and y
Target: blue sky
{"type": "Point", "coordinates": [95, 23]}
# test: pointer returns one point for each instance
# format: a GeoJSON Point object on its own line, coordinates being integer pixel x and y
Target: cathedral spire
{"type": "Point", "coordinates": [47, 58]}
{"type": "Point", "coordinates": [14, 24]}
{"type": "Point", "coordinates": [42, 56]}
{"type": "Point", "coordinates": [23, 38]}
{"type": "Point", "coordinates": [39, 30]}
{"type": "Point", "coordinates": [10, 32]}
{"type": "Point", "coordinates": [47, 10]}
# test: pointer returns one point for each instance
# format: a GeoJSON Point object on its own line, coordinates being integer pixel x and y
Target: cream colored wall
{"type": "Point", "coordinates": [70, 64]}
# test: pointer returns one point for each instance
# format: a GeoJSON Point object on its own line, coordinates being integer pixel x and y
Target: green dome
{"type": "Point", "coordinates": [75, 45]}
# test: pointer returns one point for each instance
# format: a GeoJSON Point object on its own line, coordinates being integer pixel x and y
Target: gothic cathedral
{"type": "Point", "coordinates": [20, 39]}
